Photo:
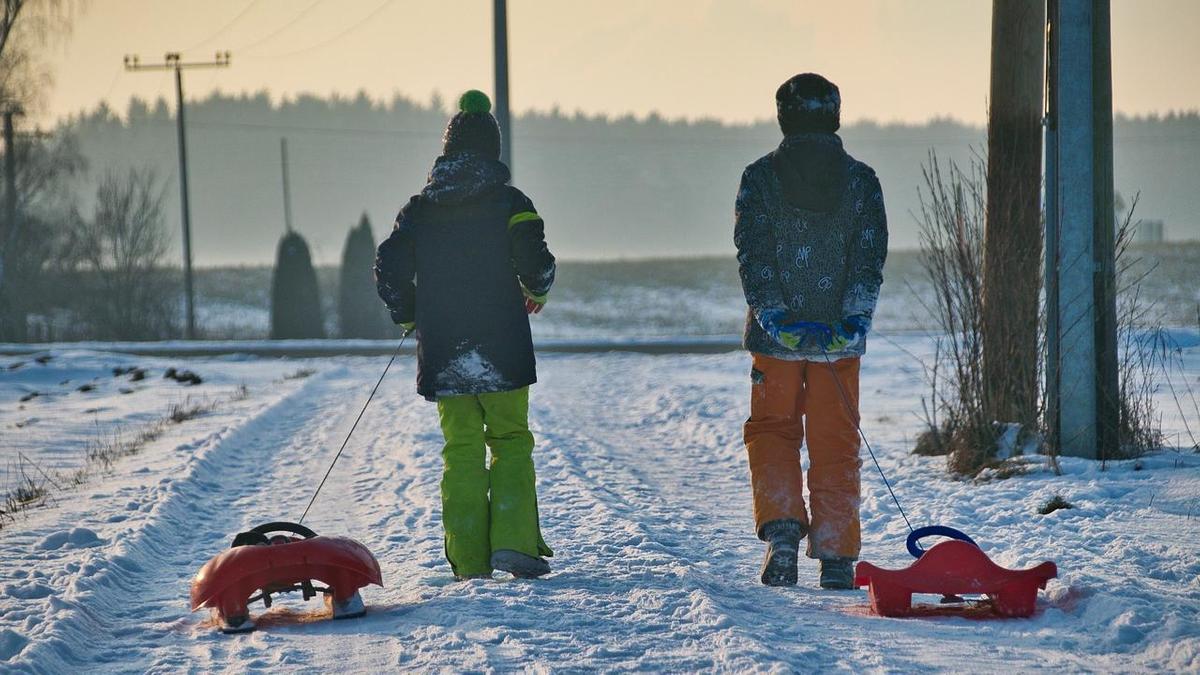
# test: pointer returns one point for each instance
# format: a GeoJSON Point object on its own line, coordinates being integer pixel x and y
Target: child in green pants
{"type": "Point", "coordinates": [464, 266]}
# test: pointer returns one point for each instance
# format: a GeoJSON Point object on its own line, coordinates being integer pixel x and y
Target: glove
{"type": "Point", "coordinates": [408, 326]}
{"type": "Point", "coordinates": [849, 332]}
{"type": "Point", "coordinates": [794, 334]}
{"type": "Point", "coordinates": [405, 322]}
{"type": "Point", "coordinates": [533, 302]}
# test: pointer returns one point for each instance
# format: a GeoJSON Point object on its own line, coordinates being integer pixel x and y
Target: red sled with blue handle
{"type": "Point", "coordinates": [952, 568]}
{"type": "Point", "coordinates": [283, 557]}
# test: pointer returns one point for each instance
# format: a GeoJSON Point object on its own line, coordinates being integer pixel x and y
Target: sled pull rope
{"type": "Point", "coordinates": [858, 425]}
{"type": "Point", "coordinates": [354, 426]}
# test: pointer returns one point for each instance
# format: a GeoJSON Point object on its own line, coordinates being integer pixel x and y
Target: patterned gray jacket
{"type": "Point", "coordinates": [811, 236]}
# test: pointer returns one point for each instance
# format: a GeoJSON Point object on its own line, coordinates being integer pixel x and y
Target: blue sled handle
{"type": "Point", "coordinates": [933, 531]}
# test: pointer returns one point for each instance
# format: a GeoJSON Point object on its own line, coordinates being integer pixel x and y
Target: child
{"type": "Point", "coordinates": [811, 236]}
{"type": "Point", "coordinates": [464, 265]}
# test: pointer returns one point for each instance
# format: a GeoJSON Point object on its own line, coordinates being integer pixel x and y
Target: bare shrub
{"type": "Point", "coordinates": [30, 247]}
{"type": "Point", "coordinates": [118, 256]}
{"type": "Point", "coordinates": [1142, 348]}
{"type": "Point", "coordinates": [952, 235]}
{"type": "Point", "coordinates": [1055, 503]}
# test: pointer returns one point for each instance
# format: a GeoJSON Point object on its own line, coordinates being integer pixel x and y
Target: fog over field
{"type": "Point", "coordinates": [608, 187]}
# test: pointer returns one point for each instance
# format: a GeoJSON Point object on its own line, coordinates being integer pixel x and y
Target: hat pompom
{"type": "Point", "coordinates": [474, 101]}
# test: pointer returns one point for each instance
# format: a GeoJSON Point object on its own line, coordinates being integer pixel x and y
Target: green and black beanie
{"type": "Point", "coordinates": [473, 128]}
{"type": "Point", "coordinates": [808, 102]}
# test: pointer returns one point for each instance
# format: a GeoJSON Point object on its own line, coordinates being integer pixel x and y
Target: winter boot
{"type": "Point", "coordinates": [519, 565]}
{"type": "Point", "coordinates": [783, 544]}
{"type": "Point", "coordinates": [468, 577]}
{"type": "Point", "coordinates": [837, 573]}
{"type": "Point", "coordinates": [350, 608]}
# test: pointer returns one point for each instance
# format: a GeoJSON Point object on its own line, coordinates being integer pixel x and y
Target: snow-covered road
{"type": "Point", "coordinates": [645, 499]}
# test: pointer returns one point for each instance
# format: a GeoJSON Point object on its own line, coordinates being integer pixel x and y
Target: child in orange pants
{"type": "Point", "coordinates": [789, 401]}
{"type": "Point", "coordinates": [811, 235]}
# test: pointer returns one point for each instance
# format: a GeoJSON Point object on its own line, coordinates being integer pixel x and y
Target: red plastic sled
{"type": "Point", "coordinates": [951, 568]}
{"type": "Point", "coordinates": [259, 563]}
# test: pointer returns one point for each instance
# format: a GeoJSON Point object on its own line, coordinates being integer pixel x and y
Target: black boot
{"type": "Point", "coordinates": [783, 546]}
{"type": "Point", "coordinates": [837, 573]}
{"type": "Point", "coordinates": [519, 565]}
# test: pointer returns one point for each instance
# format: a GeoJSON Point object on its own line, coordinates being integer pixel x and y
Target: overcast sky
{"type": "Point", "coordinates": [895, 60]}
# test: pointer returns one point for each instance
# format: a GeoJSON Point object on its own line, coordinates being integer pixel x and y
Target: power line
{"type": "Point", "coordinates": [221, 31]}
{"type": "Point", "coordinates": [304, 12]}
{"type": "Point", "coordinates": [335, 38]}
{"type": "Point", "coordinates": [636, 138]}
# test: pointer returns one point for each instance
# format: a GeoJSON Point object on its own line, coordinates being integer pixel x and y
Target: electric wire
{"type": "Point", "coordinates": [221, 31]}
{"type": "Point", "coordinates": [858, 425]}
{"type": "Point", "coordinates": [325, 43]}
{"type": "Point", "coordinates": [354, 426]}
{"type": "Point", "coordinates": [304, 12]}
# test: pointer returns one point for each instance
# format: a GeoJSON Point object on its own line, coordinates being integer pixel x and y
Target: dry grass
{"type": "Point", "coordinates": [188, 409]}
{"type": "Point", "coordinates": [1054, 504]}
{"type": "Point", "coordinates": [300, 374]}
{"type": "Point", "coordinates": [32, 484]}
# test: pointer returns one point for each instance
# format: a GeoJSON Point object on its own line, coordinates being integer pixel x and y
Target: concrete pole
{"type": "Point", "coordinates": [1108, 381]}
{"type": "Point", "coordinates": [1074, 214]}
{"type": "Point", "coordinates": [500, 32]}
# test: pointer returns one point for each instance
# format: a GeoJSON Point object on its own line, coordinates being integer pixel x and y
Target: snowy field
{"type": "Point", "coordinates": [645, 499]}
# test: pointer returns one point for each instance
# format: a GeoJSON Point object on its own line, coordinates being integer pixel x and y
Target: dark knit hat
{"type": "Point", "coordinates": [473, 128]}
{"type": "Point", "coordinates": [808, 102]}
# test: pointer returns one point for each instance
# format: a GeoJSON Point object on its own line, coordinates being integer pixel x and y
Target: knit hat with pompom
{"type": "Point", "coordinates": [808, 102]}
{"type": "Point", "coordinates": [473, 128]}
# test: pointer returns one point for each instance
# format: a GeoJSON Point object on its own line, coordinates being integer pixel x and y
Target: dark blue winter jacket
{"type": "Point", "coordinates": [811, 236]}
{"type": "Point", "coordinates": [455, 263]}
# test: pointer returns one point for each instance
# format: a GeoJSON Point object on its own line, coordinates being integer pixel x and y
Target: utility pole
{"type": "Point", "coordinates": [287, 194]}
{"type": "Point", "coordinates": [8, 235]}
{"type": "Point", "coordinates": [10, 184]}
{"type": "Point", "coordinates": [500, 41]}
{"type": "Point", "coordinates": [1013, 237]}
{"type": "Point", "coordinates": [173, 61]}
{"type": "Point", "coordinates": [1081, 368]}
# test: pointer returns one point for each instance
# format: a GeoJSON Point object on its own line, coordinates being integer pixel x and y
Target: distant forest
{"type": "Point", "coordinates": [608, 187]}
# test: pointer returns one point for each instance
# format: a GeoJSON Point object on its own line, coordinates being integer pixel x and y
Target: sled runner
{"type": "Point", "coordinates": [951, 568]}
{"type": "Point", "coordinates": [279, 558]}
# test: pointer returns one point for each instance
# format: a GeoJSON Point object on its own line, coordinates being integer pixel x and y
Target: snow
{"type": "Point", "coordinates": [643, 488]}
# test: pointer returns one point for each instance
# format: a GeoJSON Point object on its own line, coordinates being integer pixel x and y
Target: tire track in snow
{"type": "Point", "coordinates": [668, 486]}
{"type": "Point", "coordinates": [131, 608]}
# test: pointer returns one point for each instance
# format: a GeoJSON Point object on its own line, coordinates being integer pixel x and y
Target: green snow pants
{"type": "Point", "coordinates": [475, 524]}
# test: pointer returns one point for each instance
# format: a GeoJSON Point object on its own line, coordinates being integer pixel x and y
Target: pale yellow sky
{"type": "Point", "coordinates": [895, 60]}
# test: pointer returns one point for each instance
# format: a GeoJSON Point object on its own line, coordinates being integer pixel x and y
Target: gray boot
{"type": "Point", "coordinates": [783, 546]}
{"type": "Point", "coordinates": [519, 565]}
{"type": "Point", "coordinates": [837, 573]}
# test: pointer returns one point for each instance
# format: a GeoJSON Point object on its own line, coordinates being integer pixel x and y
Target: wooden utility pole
{"type": "Point", "coordinates": [174, 62]}
{"type": "Point", "coordinates": [500, 42]}
{"type": "Point", "coordinates": [1013, 237]}
{"type": "Point", "coordinates": [10, 186]}
{"type": "Point", "coordinates": [9, 313]}
{"type": "Point", "coordinates": [1081, 361]}
{"type": "Point", "coordinates": [287, 193]}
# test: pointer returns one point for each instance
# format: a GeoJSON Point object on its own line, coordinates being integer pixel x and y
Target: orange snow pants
{"type": "Point", "coordinates": [789, 399]}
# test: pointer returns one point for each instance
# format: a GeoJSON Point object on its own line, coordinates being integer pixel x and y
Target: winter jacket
{"type": "Point", "coordinates": [811, 236]}
{"type": "Point", "coordinates": [455, 263]}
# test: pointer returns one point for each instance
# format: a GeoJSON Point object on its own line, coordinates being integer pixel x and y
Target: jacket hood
{"type": "Point", "coordinates": [813, 169]}
{"type": "Point", "coordinates": [460, 176]}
